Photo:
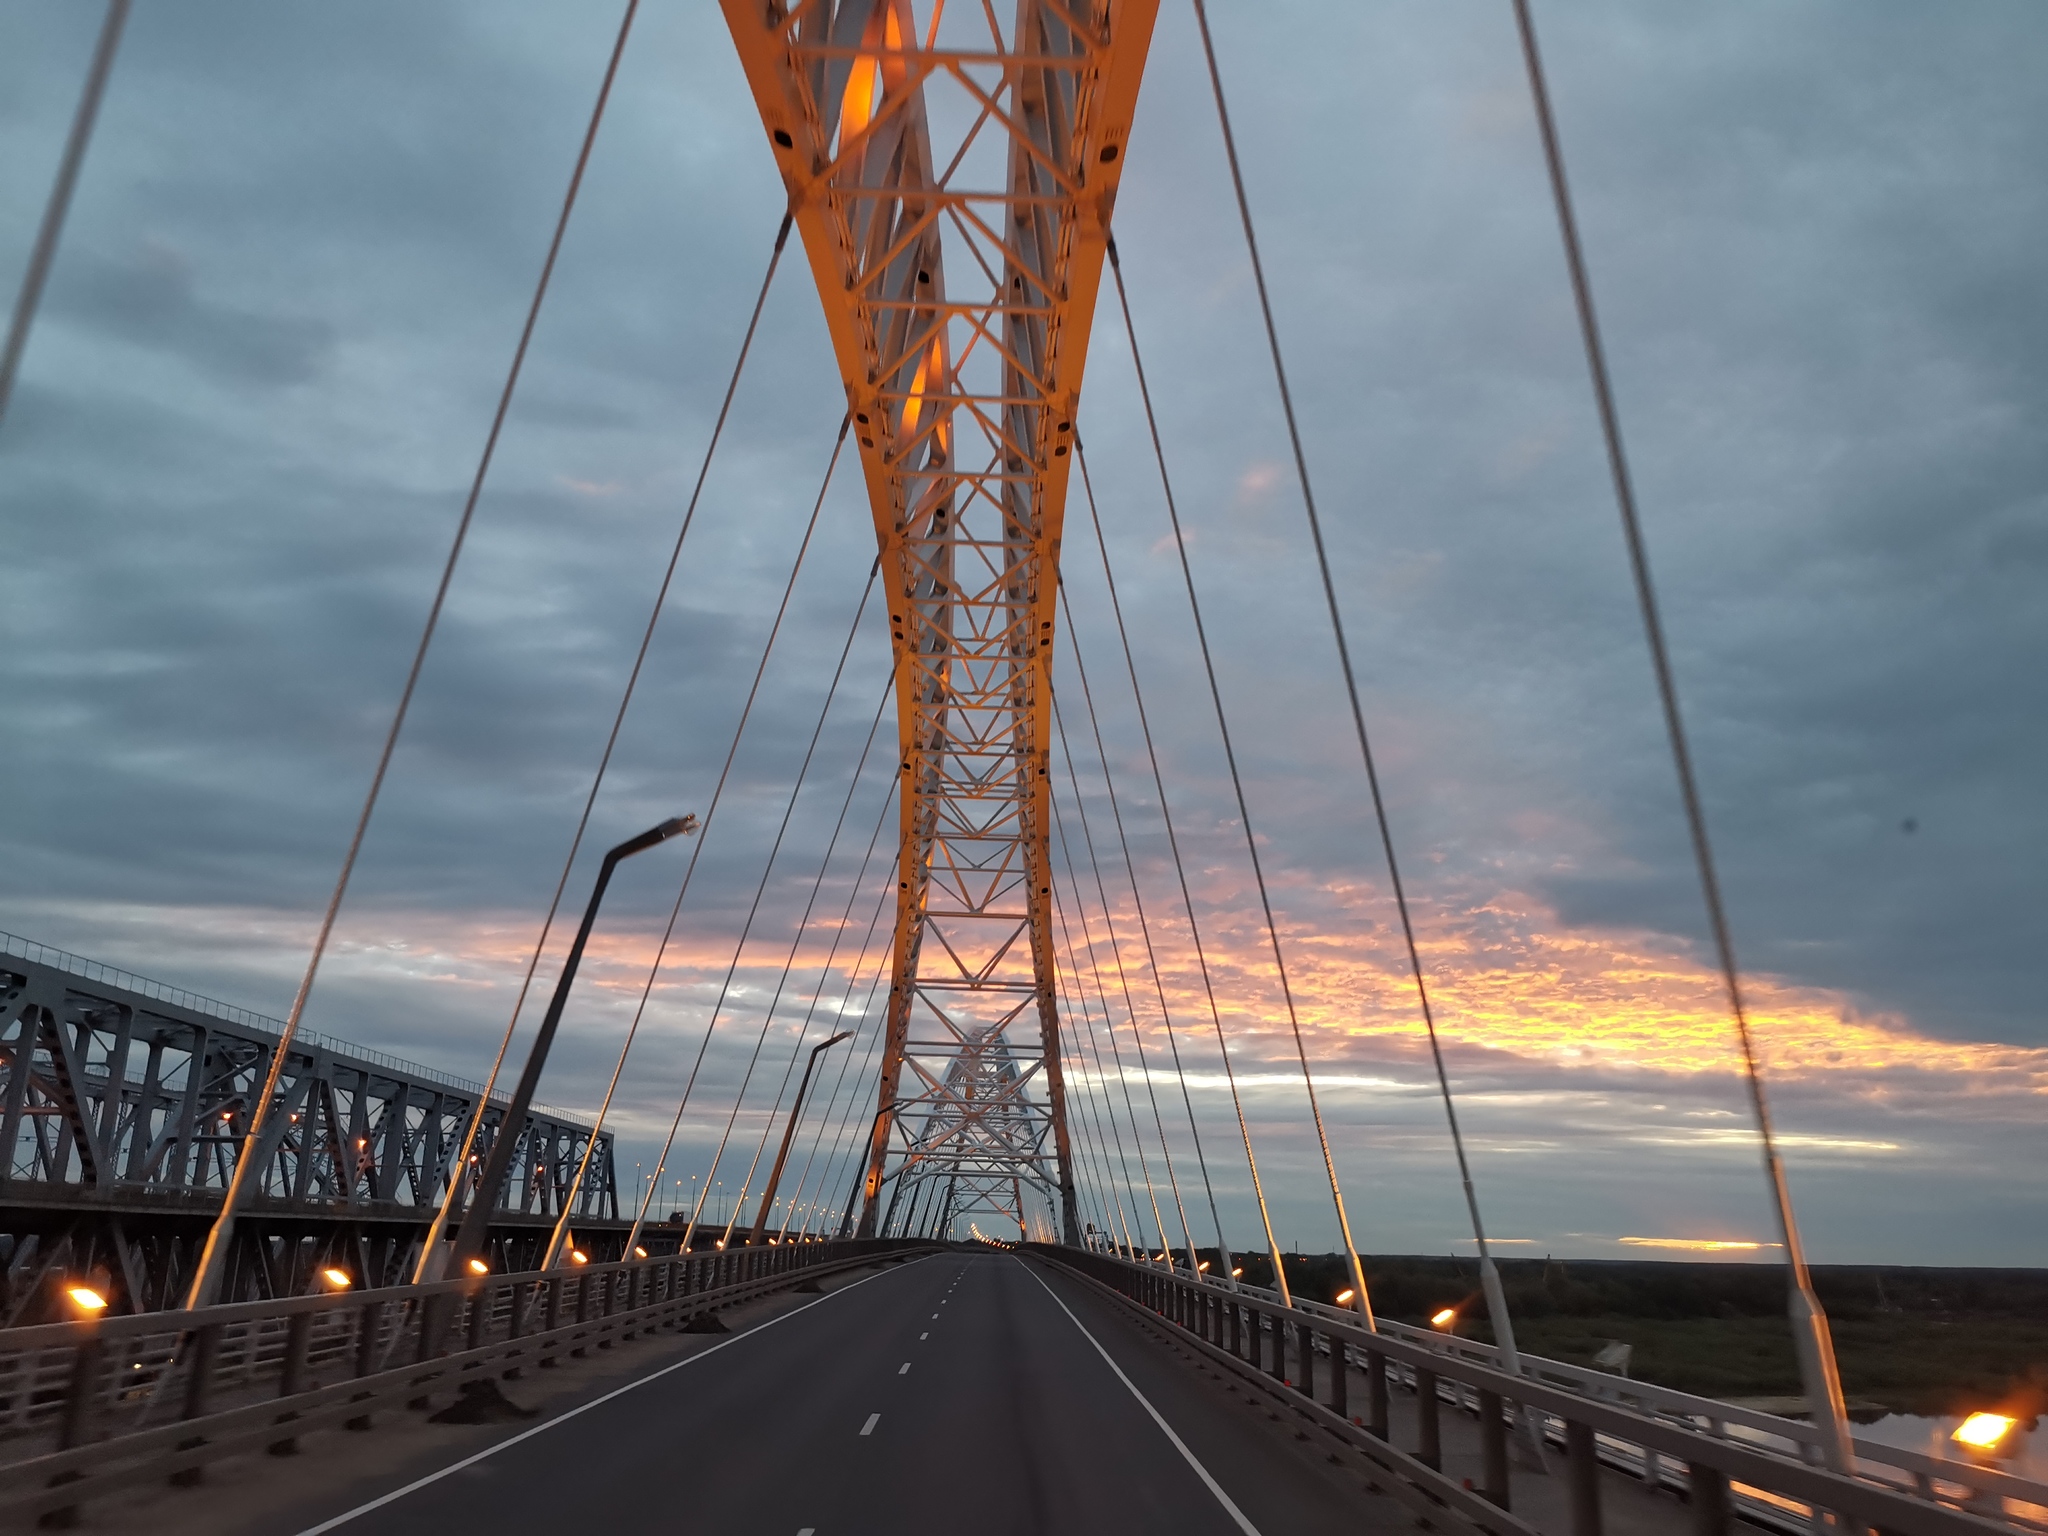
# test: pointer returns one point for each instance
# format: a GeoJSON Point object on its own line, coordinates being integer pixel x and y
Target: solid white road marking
{"type": "Point", "coordinates": [1165, 1428]}
{"type": "Point", "coordinates": [869, 1427]}
{"type": "Point", "coordinates": [904, 1369]}
{"type": "Point", "coordinates": [596, 1402]}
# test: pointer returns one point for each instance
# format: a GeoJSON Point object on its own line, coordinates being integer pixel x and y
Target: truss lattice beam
{"type": "Point", "coordinates": [999, 146]}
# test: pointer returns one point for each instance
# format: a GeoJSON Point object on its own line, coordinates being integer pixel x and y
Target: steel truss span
{"type": "Point", "coordinates": [123, 1105]}
{"type": "Point", "coordinates": [953, 187]}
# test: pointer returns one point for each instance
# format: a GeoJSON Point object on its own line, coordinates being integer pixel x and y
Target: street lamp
{"type": "Point", "coordinates": [789, 1131]}
{"type": "Point", "coordinates": [476, 1221]}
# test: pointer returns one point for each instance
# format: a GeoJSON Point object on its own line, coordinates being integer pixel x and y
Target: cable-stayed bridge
{"type": "Point", "coordinates": [229, 1237]}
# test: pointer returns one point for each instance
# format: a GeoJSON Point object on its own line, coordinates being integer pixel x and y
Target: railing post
{"type": "Point", "coordinates": [1709, 1499]}
{"type": "Point", "coordinates": [1427, 1417]}
{"type": "Point", "coordinates": [1305, 1335]}
{"type": "Point", "coordinates": [199, 1383]}
{"type": "Point", "coordinates": [198, 1396]}
{"type": "Point", "coordinates": [1493, 1442]}
{"type": "Point", "coordinates": [83, 1391]}
{"type": "Point", "coordinates": [1340, 1384]}
{"type": "Point", "coordinates": [1376, 1393]}
{"type": "Point", "coordinates": [369, 1324]}
{"type": "Point", "coordinates": [582, 1308]}
{"type": "Point", "coordinates": [1234, 1323]}
{"type": "Point", "coordinates": [1583, 1470]}
{"type": "Point", "coordinates": [551, 1316]}
{"type": "Point", "coordinates": [292, 1380]}
{"type": "Point", "coordinates": [479, 1313]}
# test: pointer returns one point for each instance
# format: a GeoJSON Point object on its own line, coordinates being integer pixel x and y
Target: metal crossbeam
{"type": "Point", "coordinates": [995, 157]}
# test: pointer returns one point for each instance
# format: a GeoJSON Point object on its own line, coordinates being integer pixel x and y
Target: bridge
{"type": "Point", "coordinates": [312, 1287]}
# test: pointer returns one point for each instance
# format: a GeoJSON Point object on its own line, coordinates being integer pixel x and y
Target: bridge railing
{"type": "Point", "coordinates": [1971, 1486]}
{"type": "Point", "coordinates": [1724, 1460]}
{"type": "Point", "coordinates": [90, 1406]}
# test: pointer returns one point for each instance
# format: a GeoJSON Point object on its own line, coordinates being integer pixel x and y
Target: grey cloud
{"type": "Point", "coordinates": [149, 299]}
{"type": "Point", "coordinates": [294, 277]}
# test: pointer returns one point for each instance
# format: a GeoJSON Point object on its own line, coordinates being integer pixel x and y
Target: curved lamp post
{"type": "Point", "coordinates": [476, 1221]}
{"type": "Point", "coordinates": [782, 1156]}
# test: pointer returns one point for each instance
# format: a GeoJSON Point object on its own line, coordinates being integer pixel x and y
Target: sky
{"type": "Point", "coordinates": [280, 318]}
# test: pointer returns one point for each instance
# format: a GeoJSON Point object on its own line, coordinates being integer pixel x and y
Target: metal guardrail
{"type": "Point", "coordinates": [92, 1407]}
{"type": "Point", "coordinates": [112, 975]}
{"type": "Point", "coordinates": [1670, 1438]}
{"type": "Point", "coordinates": [1894, 1466]}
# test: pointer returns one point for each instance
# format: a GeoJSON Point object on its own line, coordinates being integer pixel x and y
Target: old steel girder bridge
{"type": "Point", "coordinates": [123, 1105]}
{"type": "Point", "coordinates": [954, 202]}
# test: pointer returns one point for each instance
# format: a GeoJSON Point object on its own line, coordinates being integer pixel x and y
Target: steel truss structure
{"type": "Point", "coordinates": [122, 1107]}
{"type": "Point", "coordinates": [902, 147]}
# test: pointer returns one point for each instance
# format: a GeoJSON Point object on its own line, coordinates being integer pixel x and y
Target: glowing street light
{"type": "Point", "coordinates": [479, 1267]}
{"type": "Point", "coordinates": [578, 1256]}
{"type": "Point", "coordinates": [1980, 1431]}
{"type": "Point", "coordinates": [1344, 1297]}
{"type": "Point", "coordinates": [89, 1302]}
{"type": "Point", "coordinates": [1445, 1318]}
{"type": "Point", "coordinates": [336, 1279]}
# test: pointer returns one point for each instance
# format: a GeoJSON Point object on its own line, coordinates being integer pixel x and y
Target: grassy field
{"type": "Point", "coordinates": [1927, 1341]}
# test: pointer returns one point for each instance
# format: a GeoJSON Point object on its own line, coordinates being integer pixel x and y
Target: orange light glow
{"type": "Point", "coordinates": [479, 1267]}
{"type": "Point", "coordinates": [1982, 1431]}
{"type": "Point", "coordinates": [578, 1256]}
{"type": "Point", "coordinates": [871, 78]}
{"type": "Point", "coordinates": [1344, 1297]}
{"type": "Point", "coordinates": [336, 1279]}
{"type": "Point", "coordinates": [1445, 1318]}
{"type": "Point", "coordinates": [639, 1252]}
{"type": "Point", "coordinates": [86, 1299]}
{"type": "Point", "coordinates": [1697, 1244]}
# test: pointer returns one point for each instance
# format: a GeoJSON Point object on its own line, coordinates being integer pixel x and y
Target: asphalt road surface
{"type": "Point", "coordinates": [964, 1391]}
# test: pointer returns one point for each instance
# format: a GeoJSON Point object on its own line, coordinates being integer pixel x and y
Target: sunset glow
{"type": "Point", "coordinates": [1698, 1244]}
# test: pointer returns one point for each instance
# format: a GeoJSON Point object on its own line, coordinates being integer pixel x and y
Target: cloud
{"type": "Point", "coordinates": [274, 339]}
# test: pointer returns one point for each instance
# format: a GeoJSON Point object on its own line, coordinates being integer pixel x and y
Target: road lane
{"type": "Point", "coordinates": [887, 1408]}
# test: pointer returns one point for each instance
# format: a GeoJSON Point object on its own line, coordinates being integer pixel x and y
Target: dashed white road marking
{"type": "Point", "coordinates": [809, 1530]}
{"type": "Point", "coordinates": [875, 1418]}
{"type": "Point", "coordinates": [903, 1369]}
{"type": "Point", "coordinates": [581, 1408]}
{"type": "Point", "coordinates": [925, 1335]}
